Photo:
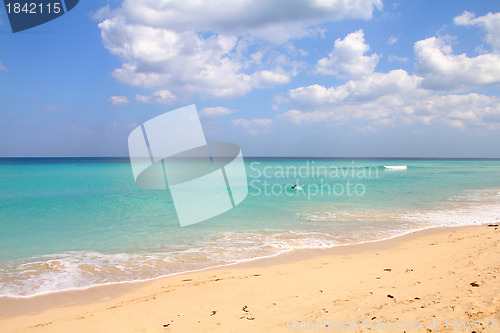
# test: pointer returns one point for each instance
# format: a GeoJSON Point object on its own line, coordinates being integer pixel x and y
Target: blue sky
{"type": "Point", "coordinates": [365, 78]}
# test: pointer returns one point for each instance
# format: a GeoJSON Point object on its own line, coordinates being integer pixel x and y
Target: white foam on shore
{"type": "Point", "coordinates": [79, 270]}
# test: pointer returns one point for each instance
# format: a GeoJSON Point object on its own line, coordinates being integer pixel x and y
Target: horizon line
{"type": "Point", "coordinates": [280, 157]}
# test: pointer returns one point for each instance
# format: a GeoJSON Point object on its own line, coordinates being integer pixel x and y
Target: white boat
{"type": "Point", "coordinates": [396, 167]}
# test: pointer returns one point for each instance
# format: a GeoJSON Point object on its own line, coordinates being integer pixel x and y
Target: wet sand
{"type": "Point", "coordinates": [435, 280]}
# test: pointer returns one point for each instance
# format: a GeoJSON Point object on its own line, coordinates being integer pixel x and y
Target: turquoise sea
{"type": "Point", "coordinates": [68, 223]}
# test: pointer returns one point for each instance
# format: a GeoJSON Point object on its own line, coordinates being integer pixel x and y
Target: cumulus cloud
{"type": "Point", "coordinates": [159, 97]}
{"type": "Point", "coordinates": [348, 59]}
{"type": "Point", "coordinates": [453, 110]}
{"type": "Point", "coordinates": [443, 70]}
{"type": "Point", "coordinates": [489, 22]}
{"type": "Point", "coordinates": [214, 112]}
{"type": "Point", "coordinates": [118, 100]}
{"type": "Point", "coordinates": [397, 97]}
{"type": "Point", "coordinates": [459, 110]}
{"type": "Point", "coordinates": [254, 126]}
{"type": "Point", "coordinates": [186, 63]}
{"type": "Point", "coordinates": [266, 77]}
{"type": "Point", "coordinates": [396, 82]}
{"type": "Point", "coordinates": [272, 20]}
{"type": "Point", "coordinates": [204, 48]}
{"type": "Point", "coordinates": [317, 95]}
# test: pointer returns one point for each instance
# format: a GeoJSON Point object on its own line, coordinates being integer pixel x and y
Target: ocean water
{"type": "Point", "coordinates": [70, 223]}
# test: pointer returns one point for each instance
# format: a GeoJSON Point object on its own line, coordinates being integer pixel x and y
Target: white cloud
{"type": "Point", "coordinates": [299, 117]}
{"type": "Point", "coordinates": [194, 47]}
{"type": "Point", "coordinates": [118, 100]}
{"type": "Point", "coordinates": [460, 110]}
{"type": "Point", "coordinates": [266, 77]}
{"type": "Point", "coordinates": [214, 112]}
{"type": "Point", "coordinates": [183, 63]}
{"type": "Point", "coordinates": [159, 97]}
{"type": "Point", "coordinates": [2, 67]}
{"type": "Point", "coordinates": [102, 13]}
{"type": "Point", "coordinates": [254, 126]}
{"type": "Point", "coordinates": [490, 22]}
{"type": "Point", "coordinates": [398, 97]}
{"type": "Point", "coordinates": [452, 110]}
{"type": "Point", "coordinates": [272, 20]}
{"type": "Point", "coordinates": [393, 58]}
{"type": "Point", "coordinates": [371, 99]}
{"type": "Point", "coordinates": [317, 95]}
{"type": "Point", "coordinates": [348, 59]}
{"type": "Point", "coordinates": [392, 40]}
{"type": "Point", "coordinates": [443, 70]}
{"type": "Point", "coordinates": [396, 82]}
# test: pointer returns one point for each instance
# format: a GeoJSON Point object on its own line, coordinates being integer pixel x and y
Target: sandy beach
{"type": "Point", "coordinates": [440, 280]}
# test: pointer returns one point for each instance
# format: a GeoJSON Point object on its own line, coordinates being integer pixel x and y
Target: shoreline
{"type": "Point", "coordinates": [272, 258]}
{"type": "Point", "coordinates": [27, 313]}
{"type": "Point", "coordinates": [303, 253]}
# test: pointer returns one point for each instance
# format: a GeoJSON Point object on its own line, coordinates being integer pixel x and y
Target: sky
{"type": "Point", "coordinates": [316, 78]}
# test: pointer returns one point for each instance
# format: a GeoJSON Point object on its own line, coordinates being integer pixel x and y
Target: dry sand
{"type": "Point", "coordinates": [441, 281]}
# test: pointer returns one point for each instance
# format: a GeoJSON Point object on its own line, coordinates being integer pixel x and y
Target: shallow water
{"type": "Point", "coordinates": [72, 223]}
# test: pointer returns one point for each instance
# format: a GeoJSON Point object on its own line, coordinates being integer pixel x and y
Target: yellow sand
{"type": "Point", "coordinates": [444, 279]}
